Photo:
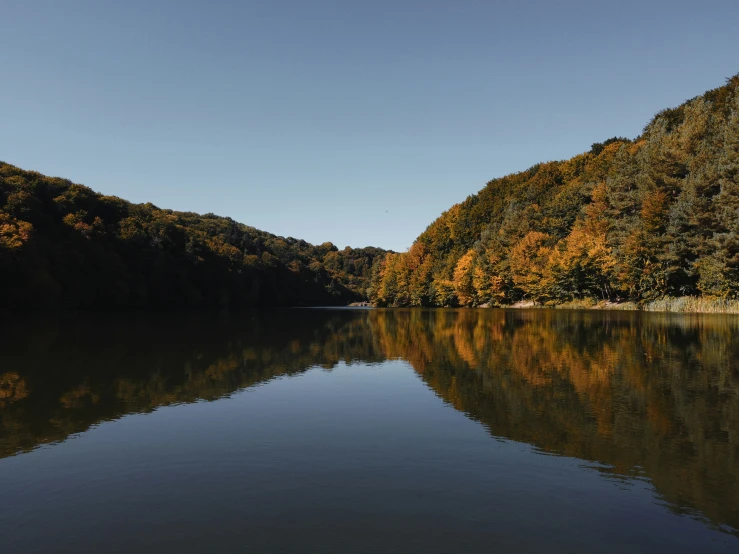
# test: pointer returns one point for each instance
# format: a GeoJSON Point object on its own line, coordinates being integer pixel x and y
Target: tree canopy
{"type": "Point", "coordinates": [64, 246]}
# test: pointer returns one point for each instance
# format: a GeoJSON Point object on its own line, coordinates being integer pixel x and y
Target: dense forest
{"type": "Point", "coordinates": [64, 246]}
{"type": "Point", "coordinates": [648, 395]}
{"type": "Point", "coordinates": [629, 221]}
{"type": "Point", "coordinates": [632, 221]}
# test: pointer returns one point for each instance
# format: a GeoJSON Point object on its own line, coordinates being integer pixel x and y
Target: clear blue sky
{"type": "Point", "coordinates": [355, 122]}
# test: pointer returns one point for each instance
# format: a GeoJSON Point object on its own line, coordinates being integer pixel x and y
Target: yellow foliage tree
{"type": "Point", "coordinates": [13, 233]}
{"type": "Point", "coordinates": [444, 292]}
{"type": "Point", "coordinates": [582, 264]}
{"type": "Point", "coordinates": [528, 260]}
{"type": "Point", "coordinates": [464, 273]}
{"type": "Point", "coordinates": [419, 264]}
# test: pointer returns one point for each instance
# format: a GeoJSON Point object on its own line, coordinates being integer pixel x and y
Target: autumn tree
{"type": "Point", "coordinates": [528, 261]}
{"type": "Point", "coordinates": [582, 264]}
{"type": "Point", "coordinates": [463, 280]}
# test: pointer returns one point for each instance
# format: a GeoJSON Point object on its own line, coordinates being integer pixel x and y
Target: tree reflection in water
{"type": "Point", "coordinates": [651, 396]}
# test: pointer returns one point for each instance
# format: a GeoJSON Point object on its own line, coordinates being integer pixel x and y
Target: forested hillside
{"type": "Point", "coordinates": [636, 220]}
{"type": "Point", "coordinates": [631, 220]}
{"type": "Point", "coordinates": [62, 245]}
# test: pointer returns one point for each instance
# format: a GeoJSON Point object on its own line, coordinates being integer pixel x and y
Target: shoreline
{"type": "Point", "coordinates": [683, 304]}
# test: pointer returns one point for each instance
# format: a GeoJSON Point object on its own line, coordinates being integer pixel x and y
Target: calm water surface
{"type": "Point", "coordinates": [371, 431]}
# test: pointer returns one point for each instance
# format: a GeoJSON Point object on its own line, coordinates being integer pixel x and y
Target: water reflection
{"type": "Point", "coordinates": [650, 396]}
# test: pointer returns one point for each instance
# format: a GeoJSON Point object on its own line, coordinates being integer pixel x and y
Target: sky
{"type": "Point", "coordinates": [355, 122]}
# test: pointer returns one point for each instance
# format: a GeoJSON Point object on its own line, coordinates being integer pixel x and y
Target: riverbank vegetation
{"type": "Point", "coordinates": [652, 222]}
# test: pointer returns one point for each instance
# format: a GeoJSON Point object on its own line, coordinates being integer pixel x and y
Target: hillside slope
{"type": "Point", "coordinates": [637, 220]}
{"type": "Point", "coordinates": [64, 246]}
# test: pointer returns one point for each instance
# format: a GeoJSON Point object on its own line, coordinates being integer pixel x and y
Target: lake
{"type": "Point", "coordinates": [361, 430]}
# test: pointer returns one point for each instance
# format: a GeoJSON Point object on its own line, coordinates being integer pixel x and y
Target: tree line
{"type": "Point", "coordinates": [630, 220]}
{"type": "Point", "coordinates": [65, 246]}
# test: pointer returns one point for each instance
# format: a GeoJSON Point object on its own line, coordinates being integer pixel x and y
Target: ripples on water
{"type": "Point", "coordinates": [637, 414]}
